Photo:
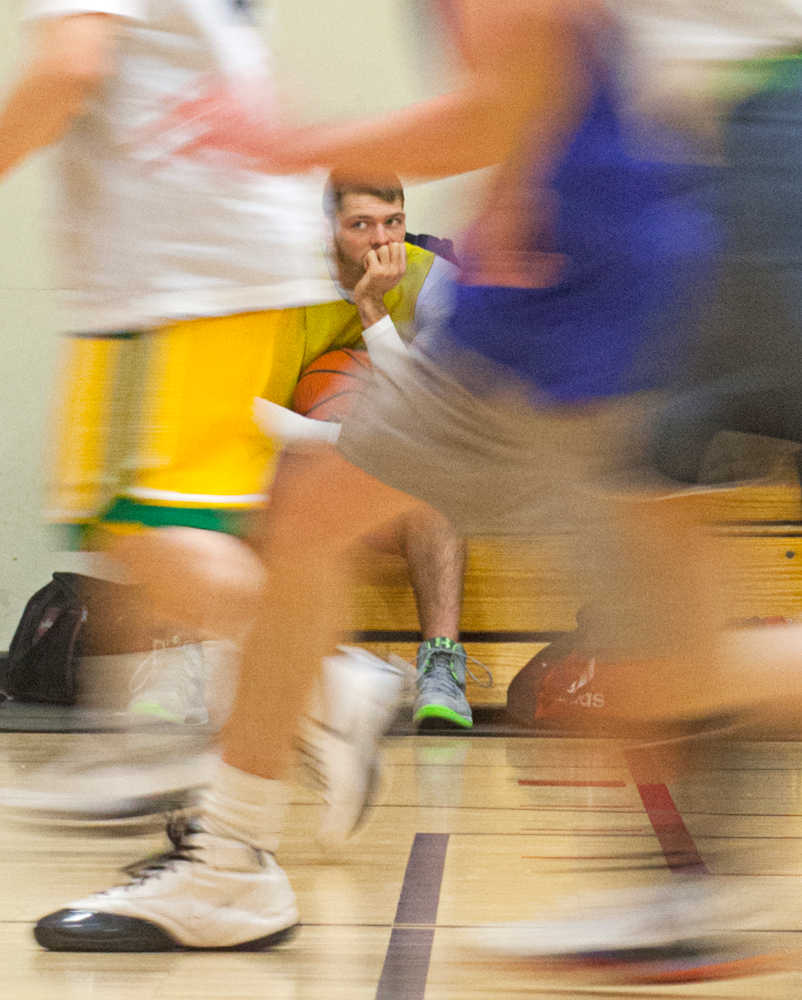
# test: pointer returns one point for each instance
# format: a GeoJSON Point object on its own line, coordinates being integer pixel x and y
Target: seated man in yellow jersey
{"type": "Point", "coordinates": [391, 291]}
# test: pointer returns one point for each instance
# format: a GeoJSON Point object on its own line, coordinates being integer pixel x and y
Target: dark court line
{"type": "Point", "coordinates": [548, 783]}
{"type": "Point", "coordinates": [602, 810]}
{"type": "Point", "coordinates": [758, 875]}
{"type": "Point", "coordinates": [406, 964]}
{"type": "Point", "coordinates": [585, 857]}
{"type": "Point", "coordinates": [750, 815]}
{"type": "Point", "coordinates": [106, 335]}
{"type": "Point", "coordinates": [417, 765]}
{"type": "Point", "coordinates": [760, 534]}
{"type": "Point", "coordinates": [558, 833]}
{"type": "Point", "coordinates": [483, 635]}
{"type": "Point", "coordinates": [751, 770]}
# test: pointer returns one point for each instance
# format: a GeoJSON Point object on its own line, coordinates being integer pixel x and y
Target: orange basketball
{"type": "Point", "coordinates": [328, 387]}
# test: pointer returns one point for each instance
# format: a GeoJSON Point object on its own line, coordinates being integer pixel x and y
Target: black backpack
{"type": "Point", "coordinates": [56, 630]}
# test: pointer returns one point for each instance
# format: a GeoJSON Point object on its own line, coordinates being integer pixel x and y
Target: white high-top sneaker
{"type": "Point", "coordinates": [207, 893]}
{"type": "Point", "coordinates": [339, 741]}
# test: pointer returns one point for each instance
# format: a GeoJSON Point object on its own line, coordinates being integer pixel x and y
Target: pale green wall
{"type": "Point", "coordinates": [339, 57]}
{"type": "Point", "coordinates": [27, 324]}
{"type": "Point", "coordinates": [352, 57]}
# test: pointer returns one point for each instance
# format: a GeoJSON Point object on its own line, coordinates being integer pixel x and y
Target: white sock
{"type": "Point", "coordinates": [245, 807]}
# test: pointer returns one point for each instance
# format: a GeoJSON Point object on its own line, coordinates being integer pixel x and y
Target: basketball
{"type": "Point", "coordinates": [329, 386]}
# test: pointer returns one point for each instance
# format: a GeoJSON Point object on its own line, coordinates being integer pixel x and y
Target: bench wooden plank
{"type": "Point", "coordinates": [518, 593]}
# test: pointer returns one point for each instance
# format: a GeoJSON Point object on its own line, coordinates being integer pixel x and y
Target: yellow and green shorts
{"type": "Point", "coordinates": [155, 428]}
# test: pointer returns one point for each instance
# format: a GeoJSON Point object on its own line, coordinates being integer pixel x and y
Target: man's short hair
{"type": "Point", "coordinates": [386, 188]}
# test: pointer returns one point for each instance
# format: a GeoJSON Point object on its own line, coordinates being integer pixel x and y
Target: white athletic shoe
{"type": "Point", "coordinates": [339, 743]}
{"type": "Point", "coordinates": [683, 932]}
{"type": "Point", "coordinates": [207, 893]}
{"type": "Point", "coordinates": [170, 684]}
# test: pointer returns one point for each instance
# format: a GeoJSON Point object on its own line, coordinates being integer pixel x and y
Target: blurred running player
{"type": "Point", "coordinates": [178, 313]}
{"type": "Point", "coordinates": [532, 404]}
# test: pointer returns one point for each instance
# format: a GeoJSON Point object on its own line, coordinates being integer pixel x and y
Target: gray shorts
{"type": "Point", "coordinates": [483, 448]}
{"type": "Point", "coordinates": [497, 460]}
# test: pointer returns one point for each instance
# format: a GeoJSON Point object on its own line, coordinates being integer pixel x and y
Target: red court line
{"type": "Point", "coordinates": [681, 853]}
{"type": "Point", "coordinates": [545, 783]}
{"type": "Point", "coordinates": [678, 846]}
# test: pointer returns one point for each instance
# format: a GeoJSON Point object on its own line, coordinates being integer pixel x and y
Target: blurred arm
{"type": "Point", "coordinates": [523, 76]}
{"type": "Point", "coordinates": [521, 65]}
{"type": "Point", "coordinates": [71, 58]}
{"type": "Point", "coordinates": [383, 342]}
{"type": "Point", "coordinates": [291, 428]}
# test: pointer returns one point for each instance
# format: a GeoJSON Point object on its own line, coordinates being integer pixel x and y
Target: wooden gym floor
{"type": "Point", "coordinates": [468, 831]}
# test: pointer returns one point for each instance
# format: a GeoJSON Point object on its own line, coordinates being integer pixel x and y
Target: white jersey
{"type": "Point", "coordinates": [145, 237]}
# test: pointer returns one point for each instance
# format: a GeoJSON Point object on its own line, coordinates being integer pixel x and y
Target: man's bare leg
{"type": "Point", "coordinates": [292, 616]}
{"type": "Point", "coordinates": [435, 556]}
{"type": "Point", "coordinates": [198, 591]}
{"type": "Point", "coordinates": [205, 580]}
{"type": "Point", "coordinates": [320, 506]}
{"type": "Point", "coordinates": [225, 855]}
{"type": "Point", "coordinates": [187, 590]}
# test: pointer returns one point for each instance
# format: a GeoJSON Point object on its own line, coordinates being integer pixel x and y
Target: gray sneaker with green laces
{"type": "Point", "coordinates": [441, 684]}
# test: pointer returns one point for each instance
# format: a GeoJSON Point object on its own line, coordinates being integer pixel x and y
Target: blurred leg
{"type": "Point", "coordinates": [319, 507]}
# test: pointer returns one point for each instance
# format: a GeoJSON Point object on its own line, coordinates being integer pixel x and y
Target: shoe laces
{"type": "Point", "coordinates": [310, 743]}
{"type": "Point", "coordinates": [441, 658]}
{"type": "Point", "coordinates": [179, 830]}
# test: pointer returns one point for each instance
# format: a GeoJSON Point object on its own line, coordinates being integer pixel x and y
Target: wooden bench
{"type": "Point", "coordinates": [517, 598]}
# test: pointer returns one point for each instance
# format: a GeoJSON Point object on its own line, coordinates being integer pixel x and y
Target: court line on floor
{"type": "Point", "coordinates": [406, 964]}
{"type": "Point", "coordinates": [481, 635]}
{"type": "Point", "coordinates": [681, 853]}
{"type": "Point", "coordinates": [551, 783]}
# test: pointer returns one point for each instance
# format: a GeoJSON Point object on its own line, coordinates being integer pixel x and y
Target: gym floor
{"type": "Point", "coordinates": [467, 831]}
